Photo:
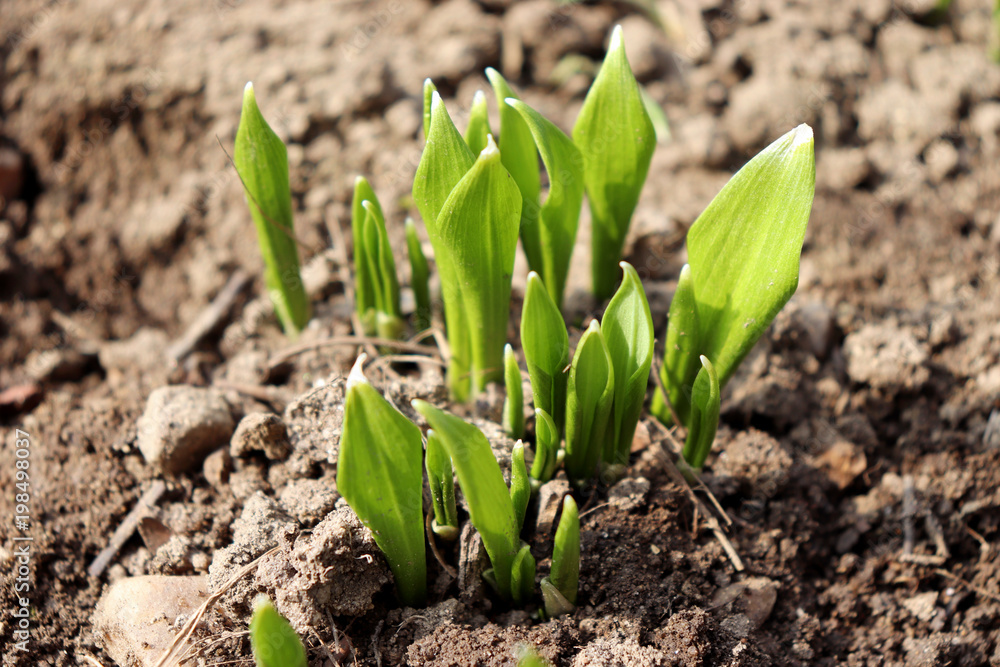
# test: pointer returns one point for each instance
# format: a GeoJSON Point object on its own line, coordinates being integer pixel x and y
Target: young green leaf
{"type": "Point", "coordinates": [680, 355]}
{"type": "Point", "coordinates": [705, 398]}
{"type": "Point", "coordinates": [513, 405]}
{"type": "Point", "coordinates": [517, 150]}
{"type": "Point", "coordinates": [273, 640]}
{"type": "Point", "coordinates": [382, 272]}
{"type": "Point", "coordinates": [589, 396]}
{"type": "Point", "coordinates": [262, 164]}
{"type": "Point", "coordinates": [656, 116]}
{"type": "Point", "coordinates": [546, 447]}
{"type": "Point", "coordinates": [441, 480]}
{"type": "Point", "coordinates": [545, 342]}
{"type": "Point", "coordinates": [520, 484]}
{"type": "Point", "coordinates": [364, 280]}
{"type": "Point", "coordinates": [380, 474]}
{"type": "Point", "coordinates": [560, 214]}
{"type": "Point", "coordinates": [445, 160]}
{"type": "Point", "coordinates": [479, 124]}
{"type": "Point", "coordinates": [477, 235]}
{"type": "Point", "coordinates": [616, 138]}
{"type": "Point", "coordinates": [522, 577]}
{"type": "Point", "coordinates": [419, 278]}
{"type": "Point", "coordinates": [490, 507]}
{"type": "Point", "coordinates": [744, 248]}
{"type": "Point", "coordinates": [627, 327]}
{"type": "Point", "coordinates": [565, 574]}
{"type": "Point", "coordinates": [527, 656]}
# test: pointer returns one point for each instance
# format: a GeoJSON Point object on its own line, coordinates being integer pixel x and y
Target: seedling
{"type": "Point", "coordinates": [377, 289]}
{"type": "Point", "coordinates": [513, 405]}
{"type": "Point", "coordinates": [273, 640]}
{"type": "Point", "coordinates": [479, 124]}
{"type": "Point", "coordinates": [589, 395]}
{"type": "Point", "coordinates": [616, 138]}
{"type": "Point", "coordinates": [559, 589]}
{"type": "Point", "coordinates": [380, 474]}
{"type": "Point", "coordinates": [627, 327]}
{"type": "Point", "coordinates": [560, 214]}
{"type": "Point", "coordinates": [546, 351]}
{"type": "Point", "coordinates": [491, 509]}
{"type": "Point", "coordinates": [743, 255]}
{"type": "Point", "coordinates": [548, 455]}
{"type": "Point", "coordinates": [520, 485]}
{"type": "Point", "coordinates": [419, 278]}
{"type": "Point", "coordinates": [261, 161]}
{"type": "Point", "coordinates": [472, 210]}
{"type": "Point", "coordinates": [442, 483]}
{"type": "Point", "coordinates": [705, 399]}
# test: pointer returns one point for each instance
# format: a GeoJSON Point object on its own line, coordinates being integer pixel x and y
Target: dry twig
{"type": "Point", "coordinates": [127, 527]}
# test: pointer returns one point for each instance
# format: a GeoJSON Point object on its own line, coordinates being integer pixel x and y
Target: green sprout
{"type": "Point", "coordinates": [627, 327]}
{"type": "Point", "coordinates": [743, 253]}
{"type": "Point", "coordinates": [548, 456]}
{"type": "Point", "coordinates": [272, 638]}
{"type": "Point", "coordinates": [261, 161]}
{"type": "Point", "coordinates": [380, 474]}
{"type": "Point", "coordinates": [513, 405]}
{"type": "Point", "coordinates": [522, 576]}
{"type": "Point", "coordinates": [419, 278]}
{"type": "Point", "coordinates": [527, 656]}
{"type": "Point", "coordinates": [616, 138]}
{"type": "Point", "coordinates": [705, 399]}
{"type": "Point", "coordinates": [520, 484]}
{"type": "Point", "coordinates": [472, 211]}
{"type": "Point", "coordinates": [441, 478]}
{"type": "Point", "coordinates": [589, 396]}
{"type": "Point", "coordinates": [559, 589]}
{"type": "Point", "coordinates": [491, 509]}
{"type": "Point", "coordinates": [377, 291]}
{"type": "Point", "coordinates": [517, 151]}
{"type": "Point", "coordinates": [545, 343]}
{"type": "Point", "coordinates": [560, 214]}
{"type": "Point", "coordinates": [479, 124]}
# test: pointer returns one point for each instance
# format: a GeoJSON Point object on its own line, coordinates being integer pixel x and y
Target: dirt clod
{"type": "Point", "coordinates": [260, 432]}
{"type": "Point", "coordinates": [181, 425]}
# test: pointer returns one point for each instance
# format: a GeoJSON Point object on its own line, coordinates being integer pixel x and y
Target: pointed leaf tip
{"type": "Point", "coordinates": [616, 38]}
{"type": "Point", "coordinates": [357, 375]}
{"type": "Point", "coordinates": [803, 134]}
{"type": "Point", "coordinates": [491, 147]}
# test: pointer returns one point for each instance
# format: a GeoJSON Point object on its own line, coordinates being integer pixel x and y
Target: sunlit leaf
{"type": "Point", "coordinates": [545, 343]}
{"type": "Point", "coordinates": [589, 394]}
{"type": "Point", "coordinates": [705, 399]}
{"type": "Point", "coordinates": [479, 124]}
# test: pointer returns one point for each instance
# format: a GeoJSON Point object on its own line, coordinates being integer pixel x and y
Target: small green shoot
{"type": "Point", "coordinates": [490, 507]}
{"type": "Point", "coordinates": [272, 638]}
{"type": "Point", "coordinates": [517, 151]}
{"type": "Point", "coordinates": [744, 254]}
{"type": "Point", "coordinates": [616, 138]}
{"type": "Point", "coordinates": [589, 396]}
{"type": "Point", "coordinates": [527, 656]}
{"type": "Point", "coordinates": [548, 456]}
{"type": "Point", "coordinates": [560, 214]}
{"type": "Point", "coordinates": [441, 479]}
{"type": "Point", "coordinates": [513, 405]}
{"type": "Point", "coordinates": [472, 210]}
{"type": "Point", "coordinates": [377, 288]}
{"type": "Point", "coordinates": [627, 327]}
{"type": "Point", "coordinates": [479, 124]}
{"type": "Point", "coordinates": [545, 343]}
{"type": "Point", "coordinates": [261, 161]}
{"type": "Point", "coordinates": [520, 484]}
{"type": "Point", "coordinates": [419, 278]}
{"type": "Point", "coordinates": [522, 577]}
{"type": "Point", "coordinates": [705, 399]}
{"type": "Point", "coordinates": [565, 574]}
{"type": "Point", "coordinates": [380, 474]}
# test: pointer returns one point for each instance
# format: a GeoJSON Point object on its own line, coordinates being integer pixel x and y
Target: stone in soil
{"type": "Point", "coordinates": [135, 618]}
{"type": "Point", "coordinates": [181, 425]}
{"type": "Point", "coordinates": [260, 432]}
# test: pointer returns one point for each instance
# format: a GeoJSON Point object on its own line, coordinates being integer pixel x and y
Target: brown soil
{"type": "Point", "coordinates": [857, 456]}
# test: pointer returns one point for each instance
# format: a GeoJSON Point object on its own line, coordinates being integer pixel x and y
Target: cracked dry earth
{"type": "Point", "coordinates": [859, 455]}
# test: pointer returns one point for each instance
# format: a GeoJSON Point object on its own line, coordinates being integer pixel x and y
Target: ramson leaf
{"type": "Point", "coordinates": [590, 391]}
{"type": "Point", "coordinates": [490, 507]}
{"type": "Point", "coordinates": [262, 163]}
{"type": "Point", "coordinates": [380, 474]}
{"type": "Point", "coordinates": [545, 342]}
{"type": "Point", "coordinates": [565, 573]}
{"type": "Point", "coordinates": [744, 248]}
{"type": "Point", "coordinates": [617, 138]}
{"type": "Point", "coordinates": [272, 638]}
{"type": "Point", "coordinates": [705, 399]}
{"type": "Point", "coordinates": [517, 150]}
{"type": "Point", "coordinates": [680, 354]}
{"type": "Point", "coordinates": [513, 405]}
{"type": "Point", "coordinates": [560, 214]}
{"type": "Point", "coordinates": [479, 124]}
{"type": "Point", "coordinates": [627, 327]}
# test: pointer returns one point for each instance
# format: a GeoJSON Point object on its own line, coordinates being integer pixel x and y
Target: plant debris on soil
{"type": "Point", "coordinates": [858, 460]}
